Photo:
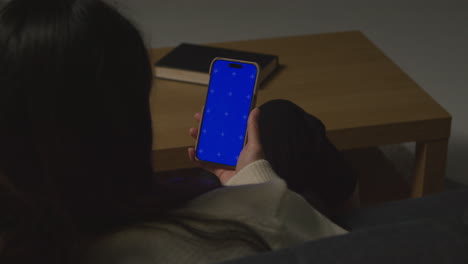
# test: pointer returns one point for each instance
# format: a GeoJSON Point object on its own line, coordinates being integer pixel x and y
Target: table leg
{"type": "Point", "coordinates": [430, 164]}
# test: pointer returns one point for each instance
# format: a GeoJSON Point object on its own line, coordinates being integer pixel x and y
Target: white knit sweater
{"type": "Point", "coordinates": [255, 196]}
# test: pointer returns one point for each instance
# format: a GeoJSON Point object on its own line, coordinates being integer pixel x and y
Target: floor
{"type": "Point", "coordinates": [427, 39]}
{"type": "Point", "coordinates": [385, 174]}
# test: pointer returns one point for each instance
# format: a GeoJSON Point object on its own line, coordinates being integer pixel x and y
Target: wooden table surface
{"type": "Point", "coordinates": [362, 97]}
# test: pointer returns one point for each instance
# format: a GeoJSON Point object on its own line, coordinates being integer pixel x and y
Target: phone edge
{"type": "Point", "coordinates": [252, 106]}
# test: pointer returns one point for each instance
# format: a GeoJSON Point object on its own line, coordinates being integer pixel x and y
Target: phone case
{"type": "Point", "coordinates": [253, 103]}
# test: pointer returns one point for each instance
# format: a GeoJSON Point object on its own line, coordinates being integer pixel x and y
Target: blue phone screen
{"type": "Point", "coordinates": [228, 103]}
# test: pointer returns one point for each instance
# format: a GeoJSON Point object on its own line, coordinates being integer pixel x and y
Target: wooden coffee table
{"type": "Point", "coordinates": [362, 97]}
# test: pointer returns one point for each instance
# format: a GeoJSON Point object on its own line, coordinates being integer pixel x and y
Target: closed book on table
{"type": "Point", "coordinates": [191, 63]}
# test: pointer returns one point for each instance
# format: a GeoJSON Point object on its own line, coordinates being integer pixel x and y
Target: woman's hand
{"type": "Point", "coordinates": [251, 152]}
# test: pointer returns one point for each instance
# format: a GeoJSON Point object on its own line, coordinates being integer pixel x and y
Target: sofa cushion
{"type": "Point", "coordinates": [417, 241]}
{"type": "Point", "coordinates": [432, 229]}
{"type": "Point", "coordinates": [452, 203]}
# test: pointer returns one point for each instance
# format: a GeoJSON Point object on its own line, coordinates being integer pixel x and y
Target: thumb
{"type": "Point", "coordinates": [253, 131]}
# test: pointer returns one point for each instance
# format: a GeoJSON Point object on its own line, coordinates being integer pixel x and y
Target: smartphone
{"type": "Point", "coordinates": [230, 98]}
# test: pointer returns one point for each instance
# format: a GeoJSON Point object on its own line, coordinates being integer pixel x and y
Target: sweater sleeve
{"type": "Point", "coordinates": [258, 197]}
{"type": "Point", "coordinates": [256, 172]}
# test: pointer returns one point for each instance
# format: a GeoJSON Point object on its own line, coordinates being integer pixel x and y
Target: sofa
{"type": "Point", "coordinates": [431, 229]}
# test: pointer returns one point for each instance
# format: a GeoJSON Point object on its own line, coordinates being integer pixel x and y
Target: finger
{"type": "Point", "coordinates": [197, 117]}
{"type": "Point", "coordinates": [191, 154]}
{"type": "Point", "coordinates": [253, 131]}
{"type": "Point", "coordinates": [193, 132]}
{"type": "Point", "coordinates": [210, 168]}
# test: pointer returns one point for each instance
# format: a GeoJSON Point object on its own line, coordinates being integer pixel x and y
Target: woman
{"type": "Point", "coordinates": [76, 183]}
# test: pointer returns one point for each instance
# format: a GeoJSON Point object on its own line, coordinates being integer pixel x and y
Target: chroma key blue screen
{"type": "Point", "coordinates": [228, 102]}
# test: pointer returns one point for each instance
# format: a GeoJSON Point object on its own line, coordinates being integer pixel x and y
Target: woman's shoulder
{"type": "Point", "coordinates": [160, 243]}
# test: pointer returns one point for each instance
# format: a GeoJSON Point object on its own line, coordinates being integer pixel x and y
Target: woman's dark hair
{"type": "Point", "coordinates": [75, 124]}
{"type": "Point", "coordinates": [75, 80]}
